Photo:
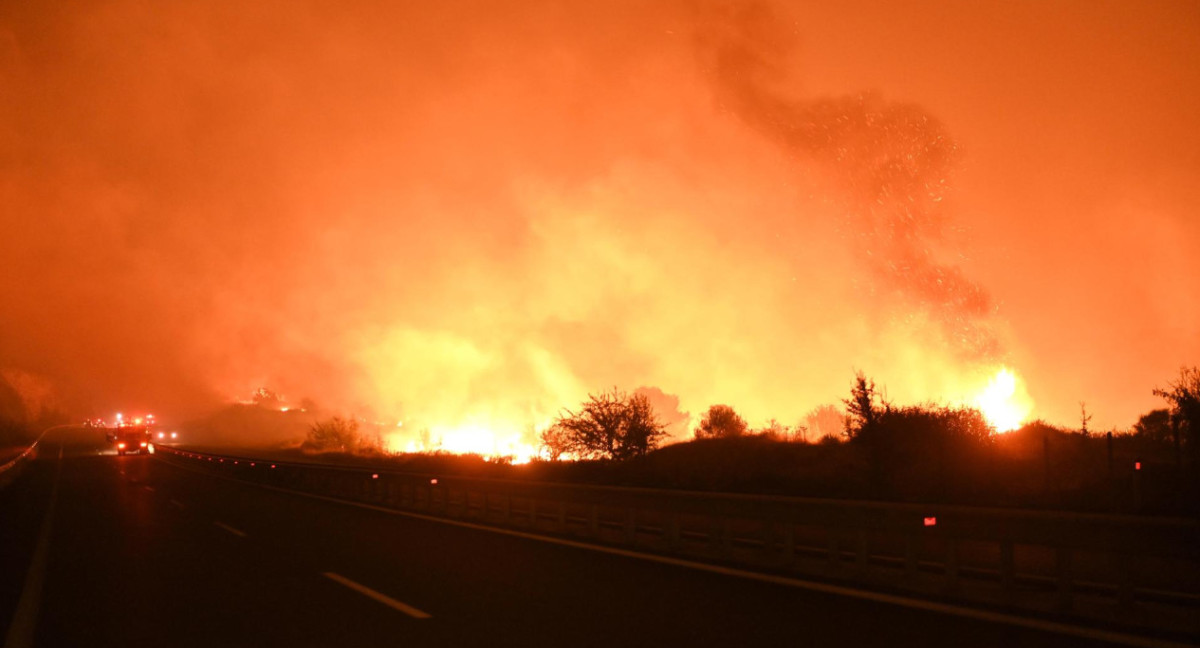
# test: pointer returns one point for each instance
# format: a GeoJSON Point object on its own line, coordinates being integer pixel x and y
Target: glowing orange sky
{"type": "Point", "coordinates": [473, 211]}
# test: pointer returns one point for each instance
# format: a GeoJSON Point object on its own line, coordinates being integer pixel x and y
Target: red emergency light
{"type": "Point", "coordinates": [931, 521]}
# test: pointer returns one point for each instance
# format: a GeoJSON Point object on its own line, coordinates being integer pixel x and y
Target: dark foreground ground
{"type": "Point", "coordinates": [143, 553]}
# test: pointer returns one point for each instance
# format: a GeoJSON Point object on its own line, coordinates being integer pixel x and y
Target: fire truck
{"type": "Point", "coordinates": [130, 438]}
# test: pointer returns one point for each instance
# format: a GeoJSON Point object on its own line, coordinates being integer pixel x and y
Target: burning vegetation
{"type": "Point", "coordinates": [727, 205]}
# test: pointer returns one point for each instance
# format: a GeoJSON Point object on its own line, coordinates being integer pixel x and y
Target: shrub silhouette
{"type": "Point", "coordinates": [721, 422]}
{"type": "Point", "coordinates": [339, 435]}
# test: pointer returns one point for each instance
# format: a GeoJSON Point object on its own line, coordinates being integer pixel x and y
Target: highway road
{"type": "Point", "coordinates": [100, 550]}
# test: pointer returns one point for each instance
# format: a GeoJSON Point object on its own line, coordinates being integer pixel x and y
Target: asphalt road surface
{"type": "Point", "coordinates": [100, 550]}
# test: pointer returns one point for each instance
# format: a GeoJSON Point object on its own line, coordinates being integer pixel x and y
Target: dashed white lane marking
{"type": "Point", "coordinates": [240, 534]}
{"type": "Point", "coordinates": [177, 504]}
{"type": "Point", "coordinates": [149, 488]}
{"type": "Point", "coordinates": [382, 598]}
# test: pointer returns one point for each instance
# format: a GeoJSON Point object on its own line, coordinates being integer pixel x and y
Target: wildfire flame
{"type": "Point", "coordinates": [487, 440]}
{"type": "Point", "coordinates": [1004, 402]}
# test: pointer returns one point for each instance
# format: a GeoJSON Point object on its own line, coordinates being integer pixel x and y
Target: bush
{"type": "Point", "coordinates": [721, 422]}
{"type": "Point", "coordinates": [339, 435]}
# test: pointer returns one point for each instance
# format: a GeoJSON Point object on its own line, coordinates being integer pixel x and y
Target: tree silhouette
{"type": "Point", "coordinates": [720, 421]}
{"type": "Point", "coordinates": [1183, 396]}
{"type": "Point", "coordinates": [610, 425]}
{"type": "Point", "coordinates": [864, 408]}
{"type": "Point", "coordinates": [1154, 426]}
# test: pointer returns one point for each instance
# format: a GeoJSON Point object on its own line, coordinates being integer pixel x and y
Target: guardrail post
{"type": "Point", "coordinates": [1007, 570]}
{"type": "Point", "coordinates": [672, 531]}
{"type": "Point", "coordinates": [1125, 580]}
{"type": "Point", "coordinates": [863, 548]}
{"type": "Point", "coordinates": [1063, 565]}
{"type": "Point", "coordinates": [562, 516]}
{"type": "Point", "coordinates": [833, 552]}
{"type": "Point", "coordinates": [533, 513]}
{"type": "Point", "coordinates": [788, 538]}
{"type": "Point", "coordinates": [721, 536]}
{"type": "Point", "coordinates": [910, 555]}
{"type": "Point", "coordinates": [768, 537]}
{"type": "Point", "coordinates": [951, 566]}
{"type": "Point", "coordinates": [594, 521]}
{"type": "Point", "coordinates": [631, 526]}
{"type": "Point", "coordinates": [506, 509]}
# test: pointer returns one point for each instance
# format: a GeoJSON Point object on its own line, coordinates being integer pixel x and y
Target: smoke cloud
{"type": "Point", "coordinates": [468, 216]}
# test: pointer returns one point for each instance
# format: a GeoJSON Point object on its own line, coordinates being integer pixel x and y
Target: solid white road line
{"type": "Point", "coordinates": [1002, 618]}
{"type": "Point", "coordinates": [230, 529]}
{"type": "Point", "coordinates": [382, 598]}
{"type": "Point", "coordinates": [24, 622]}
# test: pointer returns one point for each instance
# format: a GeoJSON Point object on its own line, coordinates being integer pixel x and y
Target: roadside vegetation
{"type": "Point", "coordinates": [18, 426]}
{"type": "Point", "coordinates": [341, 435]}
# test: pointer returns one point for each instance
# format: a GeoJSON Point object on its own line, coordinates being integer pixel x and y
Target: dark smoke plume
{"type": "Point", "coordinates": [892, 163]}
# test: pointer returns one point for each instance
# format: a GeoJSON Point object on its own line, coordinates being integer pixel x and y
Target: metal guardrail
{"type": "Point", "coordinates": [12, 468]}
{"type": "Point", "coordinates": [1129, 571]}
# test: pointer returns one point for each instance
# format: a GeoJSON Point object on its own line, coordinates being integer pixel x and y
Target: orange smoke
{"type": "Point", "coordinates": [466, 216]}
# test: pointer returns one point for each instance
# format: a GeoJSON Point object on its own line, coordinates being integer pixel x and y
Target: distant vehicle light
{"type": "Point", "coordinates": [374, 475]}
{"type": "Point", "coordinates": [272, 465]}
{"type": "Point", "coordinates": [1137, 465]}
{"type": "Point", "coordinates": [931, 521]}
{"type": "Point", "coordinates": [121, 445]}
{"type": "Point", "coordinates": [161, 435]}
{"type": "Point", "coordinates": [433, 481]}
{"type": "Point", "coordinates": [173, 435]}
{"type": "Point", "coordinates": [143, 444]}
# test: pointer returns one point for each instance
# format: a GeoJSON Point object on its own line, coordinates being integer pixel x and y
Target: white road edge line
{"type": "Point", "coordinates": [378, 596]}
{"type": "Point", "coordinates": [24, 621]}
{"type": "Point", "coordinates": [240, 534]}
{"type": "Point", "coordinates": [903, 601]}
